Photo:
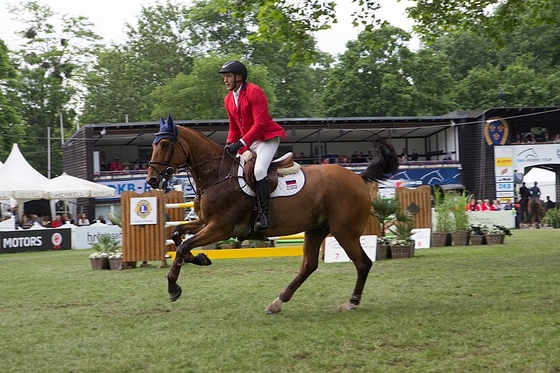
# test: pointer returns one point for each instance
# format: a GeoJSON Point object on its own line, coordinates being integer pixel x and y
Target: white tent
{"type": "Point", "coordinates": [66, 187]}
{"type": "Point", "coordinates": [17, 168]}
{"type": "Point", "coordinates": [17, 190]}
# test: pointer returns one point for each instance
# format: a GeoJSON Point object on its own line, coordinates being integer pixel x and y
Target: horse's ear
{"type": "Point", "coordinates": [161, 124]}
{"type": "Point", "coordinates": [171, 125]}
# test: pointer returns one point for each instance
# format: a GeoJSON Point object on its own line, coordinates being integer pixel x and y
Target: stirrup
{"type": "Point", "coordinates": [261, 222]}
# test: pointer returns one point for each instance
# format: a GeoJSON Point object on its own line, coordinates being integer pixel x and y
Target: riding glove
{"type": "Point", "coordinates": [233, 148]}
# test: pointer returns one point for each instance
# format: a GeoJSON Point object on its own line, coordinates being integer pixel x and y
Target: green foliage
{"type": "Point", "coordinates": [384, 209]}
{"type": "Point", "coordinates": [457, 204]}
{"type": "Point", "coordinates": [442, 207]}
{"type": "Point", "coordinates": [552, 217]}
{"type": "Point", "coordinates": [106, 246]}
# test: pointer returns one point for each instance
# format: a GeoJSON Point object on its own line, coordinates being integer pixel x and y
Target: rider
{"type": "Point", "coordinates": [251, 126]}
{"type": "Point", "coordinates": [535, 191]}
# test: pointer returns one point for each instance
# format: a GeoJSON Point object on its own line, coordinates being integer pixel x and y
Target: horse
{"type": "Point", "coordinates": [333, 200]}
{"type": "Point", "coordinates": [535, 211]}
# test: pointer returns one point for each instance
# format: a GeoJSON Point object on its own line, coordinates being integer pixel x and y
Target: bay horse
{"type": "Point", "coordinates": [333, 200]}
{"type": "Point", "coordinates": [534, 211]}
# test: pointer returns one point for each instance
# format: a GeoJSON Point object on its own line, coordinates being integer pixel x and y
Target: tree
{"type": "Point", "coordinates": [200, 95]}
{"type": "Point", "coordinates": [372, 78]}
{"type": "Point", "coordinates": [51, 65]}
{"type": "Point", "coordinates": [120, 84]}
{"type": "Point", "coordinates": [11, 129]}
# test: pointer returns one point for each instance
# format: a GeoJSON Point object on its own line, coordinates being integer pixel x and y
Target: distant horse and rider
{"type": "Point", "coordinates": [319, 200]}
{"type": "Point", "coordinates": [532, 207]}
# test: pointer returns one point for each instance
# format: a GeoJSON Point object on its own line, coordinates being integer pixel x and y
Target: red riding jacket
{"type": "Point", "coordinates": [250, 120]}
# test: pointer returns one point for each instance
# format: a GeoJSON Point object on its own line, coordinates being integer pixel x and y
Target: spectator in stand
{"type": "Point", "coordinates": [116, 165]}
{"type": "Point", "coordinates": [404, 155]}
{"type": "Point", "coordinates": [486, 206]}
{"type": "Point", "coordinates": [83, 220]}
{"type": "Point", "coordinates": [57, 222]}
{"type": "Point", "coordinates": [67, 219]}
{"type": "Point", "coordinates": [509, 206]}
{"type": "Point", "coordinates": [546, 137]}
{"type": "Point", "coordinates": [549, 203]}
{"type": "Point", "coordinates": [414, 155]}
{"type": "Point", "coordinates": [557, 138]}
{"type": "Point", "coordinates": [33, 220]}
{"type": "Point", "coordinates": [496, 206]}
{"type": "Point", "coordinates": [471, 206]}
{"type": "Point", "coordinates": [533, 139]}
{"type": "Point", "coordinates": [46, 221]}
{"type": "Point", "coordinates": [101, 219]}
{"type": "Point", "coordinates": [479, 205]}
{"type": "Point", "coordinates": [355, 158]}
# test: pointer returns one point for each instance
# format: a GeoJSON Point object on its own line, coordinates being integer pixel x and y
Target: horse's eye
{"type": "Point", "coordinates": [164, 144]}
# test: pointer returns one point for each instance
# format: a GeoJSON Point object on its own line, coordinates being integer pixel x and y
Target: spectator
{"type": "Point", "coordinates": [414, 155]}
{"type": "Point", "coordinates": [83, 220]}
{"type": "Point", "coordinates": [404, 155]}
{"type": "Point", "coordinates": [549, 203]}
{"type": "Point", "coordinates": [557, 138]}
{"type": "Point", "coordinates": [471, 206]}
{"type": "Point", "coordinates": [546, 137]}
{"type": "Point", "coordinates": [57, 222]}
{"type": "Point", "coordinates": [479, 205]}
{"type": "Point", "coordinates": [355, 158]}
{"type": "Point", "coordinates": [116, 165]}
{"type": "Point", "coordinates": [101, 219]}
{"type": "Point", "coordinates": [486, 206]}
{"type": "Point", "coordinates": [496, 206]}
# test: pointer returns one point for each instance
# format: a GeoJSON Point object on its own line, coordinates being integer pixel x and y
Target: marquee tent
{"type": "Point", "coordinates": [18, 179]}
{"type": "Point", "coordinates": [67, 187]}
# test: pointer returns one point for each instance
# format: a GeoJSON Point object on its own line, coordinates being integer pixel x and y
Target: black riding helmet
{"type": "Point", "coordinates": [236, 68]}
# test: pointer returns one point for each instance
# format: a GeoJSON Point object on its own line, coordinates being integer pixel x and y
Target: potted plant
{"type": "Point", "coordinates": [552, 217]}
{"type": "Point", "coordinates": [461, 234]}
{"type": "Point", "coordinates": [384, 210]}
{"type": "Point", "coordinates": [494, 235]}
{"type": "Point", "coordinates": [504, 231]}
{"type": "Point", "coordinates": [104, 247]}
{"type": "Point", "coordinates": [478, 232]}
{"type": "Point", "coordinates": [443, 220]}
{"type": "Point", "coordinates": [403, 245]}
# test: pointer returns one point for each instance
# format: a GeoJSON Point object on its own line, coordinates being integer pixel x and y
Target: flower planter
{"type": "Point", "coordinates": [478, 239]}
{"type": "Point", "coordinates": [441, 239]}
{"type": "Point", "coordinates": [115, 263]}
{"type": "Point", "coordinates": [99, 263]}
{"type": "Point", "coordinates": [460, 238]}
{"type": "Point", "coordinates": [383, 252]}
{"type": "Point", "coordinates": [400, 251]}
{"type": "Point", "coordinates": [493, 238]}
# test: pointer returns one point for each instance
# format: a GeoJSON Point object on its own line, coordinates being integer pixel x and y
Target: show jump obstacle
{"type": "Point", "coordinates": [148, 220]}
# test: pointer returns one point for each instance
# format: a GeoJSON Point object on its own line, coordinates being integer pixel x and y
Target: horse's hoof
{"type": "Point", "coordinates": [274, 307]}
{"type": "Point", "coordinates": [347, 306]}
{"type": "Point", "coordinates": [175, 292]}
{"type": "Point", "coordinates": [203, 259]}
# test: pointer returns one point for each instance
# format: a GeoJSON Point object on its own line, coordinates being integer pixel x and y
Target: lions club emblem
{"type": "Point", "coordinates": [143, 209]}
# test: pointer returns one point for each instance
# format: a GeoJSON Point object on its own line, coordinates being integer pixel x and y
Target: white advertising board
{"type": "Point", "coordinates": [335, 253]}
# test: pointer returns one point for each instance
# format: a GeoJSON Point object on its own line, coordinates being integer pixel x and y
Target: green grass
{"type": "Point", "coordinates": [465, 309]}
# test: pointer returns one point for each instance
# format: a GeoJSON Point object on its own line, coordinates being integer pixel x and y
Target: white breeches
{"type": "Point", "coordinates": [265, 153]}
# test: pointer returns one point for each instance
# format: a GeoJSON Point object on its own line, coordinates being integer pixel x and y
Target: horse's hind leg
{"type": "Point", "coordinates": [363, 264]}
{"type": "Point", "coordinates": [310, 262]}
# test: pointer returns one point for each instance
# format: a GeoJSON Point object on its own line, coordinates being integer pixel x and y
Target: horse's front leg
{"type": "Point", "coordinates": [191, 227]}
{"type": "Point", "coordinates": [207, 235]}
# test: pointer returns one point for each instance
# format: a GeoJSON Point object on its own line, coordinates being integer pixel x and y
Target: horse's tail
{"type": "Point", "coordinates": [384, 164]}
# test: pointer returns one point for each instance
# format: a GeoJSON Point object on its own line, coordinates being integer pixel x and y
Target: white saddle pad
{"type": "Point", "coordinates": [288, 185]}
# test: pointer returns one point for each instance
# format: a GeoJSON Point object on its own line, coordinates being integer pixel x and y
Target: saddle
{"type": "Point", "coordinates": [284, 165]}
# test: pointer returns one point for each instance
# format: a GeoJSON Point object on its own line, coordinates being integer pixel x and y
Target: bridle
{"type": "Point", "coordinates": [167, 172]}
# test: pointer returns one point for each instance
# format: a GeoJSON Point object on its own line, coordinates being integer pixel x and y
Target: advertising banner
{"type": "Point", "coordinates": [35, 240]}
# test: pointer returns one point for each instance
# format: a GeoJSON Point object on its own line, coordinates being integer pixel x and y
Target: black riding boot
{"type": "Point", "coordinates": [263, 195]}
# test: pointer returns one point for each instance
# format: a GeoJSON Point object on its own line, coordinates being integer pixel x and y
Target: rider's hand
{"type": "Point", "coordinates": [233, 148]}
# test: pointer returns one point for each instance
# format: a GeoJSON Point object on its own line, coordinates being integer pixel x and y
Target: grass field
{"type": "Point", "coordinates": [454, 309]}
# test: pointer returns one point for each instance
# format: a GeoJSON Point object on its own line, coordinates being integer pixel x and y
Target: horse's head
{"type": "Point", "coordinates": [165, 160]}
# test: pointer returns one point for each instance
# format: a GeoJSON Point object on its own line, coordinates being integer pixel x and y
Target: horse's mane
{"type": "Point", "coordinates": [384, 164]}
